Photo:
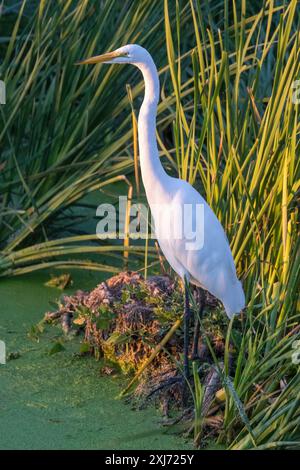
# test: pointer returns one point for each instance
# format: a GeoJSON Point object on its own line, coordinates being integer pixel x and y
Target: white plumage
{"type": "Point", "coordinates": [211, 266]}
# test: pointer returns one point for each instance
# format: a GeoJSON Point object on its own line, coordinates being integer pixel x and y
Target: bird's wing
{"type": "Point", "coordinates": [214, 250]}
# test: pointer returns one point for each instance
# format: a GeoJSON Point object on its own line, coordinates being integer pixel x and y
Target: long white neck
{"type": "Point", "coordinates": [153, 174]}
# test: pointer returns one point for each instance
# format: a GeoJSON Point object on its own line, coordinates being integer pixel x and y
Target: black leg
{"type": "Point", "coordinates": [187, 316]}
{"type": "Point", "coordinates": [197, 324]}
{"type": "Point", "coordinates": [196, 339]}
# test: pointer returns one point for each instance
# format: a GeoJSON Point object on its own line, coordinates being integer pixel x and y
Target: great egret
{"type": "Point", "coordinates": [211, 265]}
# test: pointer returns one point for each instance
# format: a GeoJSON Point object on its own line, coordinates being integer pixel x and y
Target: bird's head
{"type": "Point", "coordinates": [129, 54]}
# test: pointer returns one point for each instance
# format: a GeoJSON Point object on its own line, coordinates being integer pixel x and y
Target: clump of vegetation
{"type": "Point", "coordinates": [125, 320]}
{"type": "Point", "coordinates": [126, 317]}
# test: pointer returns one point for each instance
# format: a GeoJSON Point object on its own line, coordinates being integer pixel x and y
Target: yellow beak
{"type": "Point", "coordinates": [98, 59]}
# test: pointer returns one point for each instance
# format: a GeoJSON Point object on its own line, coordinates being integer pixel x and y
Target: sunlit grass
{"type": "Point", "coordinates": [65, 130]}
{"type": "Point", "coordinates": [236, 135]}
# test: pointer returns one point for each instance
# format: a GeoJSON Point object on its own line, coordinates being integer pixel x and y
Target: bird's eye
{"type": "Point", "coordinates": [124, 54]}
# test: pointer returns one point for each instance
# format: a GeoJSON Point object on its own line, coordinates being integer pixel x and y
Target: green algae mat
{"type": "Point", "coordinates": [61, 401]}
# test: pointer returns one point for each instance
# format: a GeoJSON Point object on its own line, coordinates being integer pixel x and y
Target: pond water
{"type": "Point", "coordinates": [61, 401]}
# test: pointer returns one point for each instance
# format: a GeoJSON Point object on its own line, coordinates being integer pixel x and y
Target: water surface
{"type": "Point", "coordinates": [60, 401]}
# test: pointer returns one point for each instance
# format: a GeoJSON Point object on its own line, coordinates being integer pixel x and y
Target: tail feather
{"type": "Point", "coordinates": [235, 299]}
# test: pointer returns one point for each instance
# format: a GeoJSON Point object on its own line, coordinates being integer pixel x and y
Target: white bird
{"type": "Point", "coordinates": [209, 266]}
